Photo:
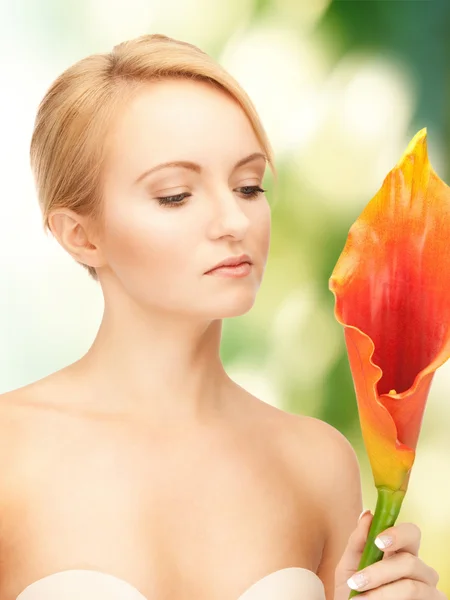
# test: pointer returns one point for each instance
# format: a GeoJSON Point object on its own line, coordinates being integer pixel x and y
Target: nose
{"type": "Point", "coordinates": [228, 217]}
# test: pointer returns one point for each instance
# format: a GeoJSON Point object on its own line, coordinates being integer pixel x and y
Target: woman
{"type": "Point", "coordinates": [142, 471]}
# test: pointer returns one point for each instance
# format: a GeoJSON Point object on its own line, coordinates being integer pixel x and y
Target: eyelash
{"type": "Point", "coordinates": [177, 200]}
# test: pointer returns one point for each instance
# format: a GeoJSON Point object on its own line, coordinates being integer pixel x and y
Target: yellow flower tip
{"type": "Point", "coordinates": [420, 137]}
{"type": "Point", "coordinates": [392, 391]}
{"type": "Point", "coordinates": [417, 146]}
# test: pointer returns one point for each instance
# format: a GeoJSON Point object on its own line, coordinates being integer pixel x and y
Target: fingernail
{"type": "Point", "coordinates": [383, 541]}
{"type": "Point", "coordinates": [357, 581]}
{"type": "Point", "coordinates": [363, 513]}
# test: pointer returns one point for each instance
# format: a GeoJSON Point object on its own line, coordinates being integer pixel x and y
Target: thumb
{"type": "Point", "coordinates": [351, 557]}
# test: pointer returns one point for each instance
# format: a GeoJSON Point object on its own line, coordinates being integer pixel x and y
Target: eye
{"type": "Point", "coordinates": [252, 190]}
{"type": "Point", "coordinates": [173, 200]}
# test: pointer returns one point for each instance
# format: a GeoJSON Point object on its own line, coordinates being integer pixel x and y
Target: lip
{"type": "Point", "coordinates": [232, 261]}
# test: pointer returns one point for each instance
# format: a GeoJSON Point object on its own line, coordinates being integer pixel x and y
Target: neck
{"type": "Point", "coordinates": [157, 365]}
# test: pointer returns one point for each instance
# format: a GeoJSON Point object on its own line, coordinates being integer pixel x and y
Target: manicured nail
{"type": "Point", "coordinates": [383, 541]}
{"type": "Point", "coordinates": [363, 513]}
{"type": "Point", "coordinates": [357, 581]}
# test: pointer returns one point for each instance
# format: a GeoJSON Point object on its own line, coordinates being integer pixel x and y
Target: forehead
{"type": "Point", "coordinates": [181, 119]}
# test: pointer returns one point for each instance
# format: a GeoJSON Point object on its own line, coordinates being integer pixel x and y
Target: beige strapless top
{"type": "Point", "coordinates": [293, 583]}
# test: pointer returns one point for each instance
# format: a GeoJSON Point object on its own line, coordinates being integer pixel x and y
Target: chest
{"type": "Point", "coordinates": [177, 518]}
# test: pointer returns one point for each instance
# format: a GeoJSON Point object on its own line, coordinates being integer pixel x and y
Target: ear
{"type": "Point", "coordinates": [73, 233]}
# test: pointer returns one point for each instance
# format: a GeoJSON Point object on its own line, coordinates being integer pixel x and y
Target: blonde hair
{"type": "Point", "coordinates": [74, 118]}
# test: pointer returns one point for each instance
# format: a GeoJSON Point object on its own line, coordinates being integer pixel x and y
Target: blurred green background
{"type": "Point", "coordinates": [341, 88]}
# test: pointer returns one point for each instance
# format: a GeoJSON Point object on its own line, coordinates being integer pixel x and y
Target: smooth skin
{"type": "Point", "coordinates": [143, 459]}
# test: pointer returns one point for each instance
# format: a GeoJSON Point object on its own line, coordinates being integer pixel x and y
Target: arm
{"type": "Point", "coordinates": [340, 498]}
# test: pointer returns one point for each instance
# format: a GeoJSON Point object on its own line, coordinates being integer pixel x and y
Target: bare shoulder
{"type": "Point", "coordinates": [331, 461]}
{"type": "Point", "coordinates": [42, 396]}
{"type": "Point", "coordinates": [308, 443]}
{"type": "Point", "coordinates": [13, 406]}
{"type": "Point", "coordinates": [332, 453]}
{"type": "Point", "coordinates": [13, 412]}
{"type": "Point", "coordinates": [19, 410]}
{"type": "Point", "coordinates": [16, 405]}
{"type": "Point", "coordinates": [330, 450]}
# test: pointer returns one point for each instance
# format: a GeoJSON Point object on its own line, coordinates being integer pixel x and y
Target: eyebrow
{"type": "Point", "coordinates": [197, 168]}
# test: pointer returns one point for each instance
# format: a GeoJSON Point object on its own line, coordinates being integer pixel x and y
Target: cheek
{"type": "Point", "coordinates": [144, 245]}
{"type": "Point", "coordinates": [263, 230]}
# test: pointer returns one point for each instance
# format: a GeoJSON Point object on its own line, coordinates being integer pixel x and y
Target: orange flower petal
{"type": "Point", "coordinates": [392, 291]}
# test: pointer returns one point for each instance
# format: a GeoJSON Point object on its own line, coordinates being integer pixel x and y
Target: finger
{"type": "Point", "coordinates": [404, 536]}
{"type": "Point", "coordinates": [351, 558]}
{"type": "Point", "coordinates": [402, 565]}
{"type": "Point", "coordinates": [404, 589]}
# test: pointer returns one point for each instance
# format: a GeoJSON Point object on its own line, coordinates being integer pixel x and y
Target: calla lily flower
{"type": "Point", "coordinates": [392, 295]}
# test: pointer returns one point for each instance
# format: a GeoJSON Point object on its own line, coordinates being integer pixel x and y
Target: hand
{"type": "Point", "coordinates": [400, 575]}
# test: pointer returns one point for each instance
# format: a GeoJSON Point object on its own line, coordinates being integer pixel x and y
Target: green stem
{"type": "Point", "coordinates": [386, 512]}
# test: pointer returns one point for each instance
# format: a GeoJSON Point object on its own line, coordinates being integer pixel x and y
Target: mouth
{"type": "Point", "coordinates": [239, 270]}
{"type": "Point", "coordinates": [232, 262]}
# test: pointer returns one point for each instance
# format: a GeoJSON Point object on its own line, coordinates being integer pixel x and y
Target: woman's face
{"type": "Point", "coordinates": [159, 253]}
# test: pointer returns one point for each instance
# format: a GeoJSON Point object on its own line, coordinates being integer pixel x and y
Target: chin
{"type": "Point", "coordinates": [226, 309]}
